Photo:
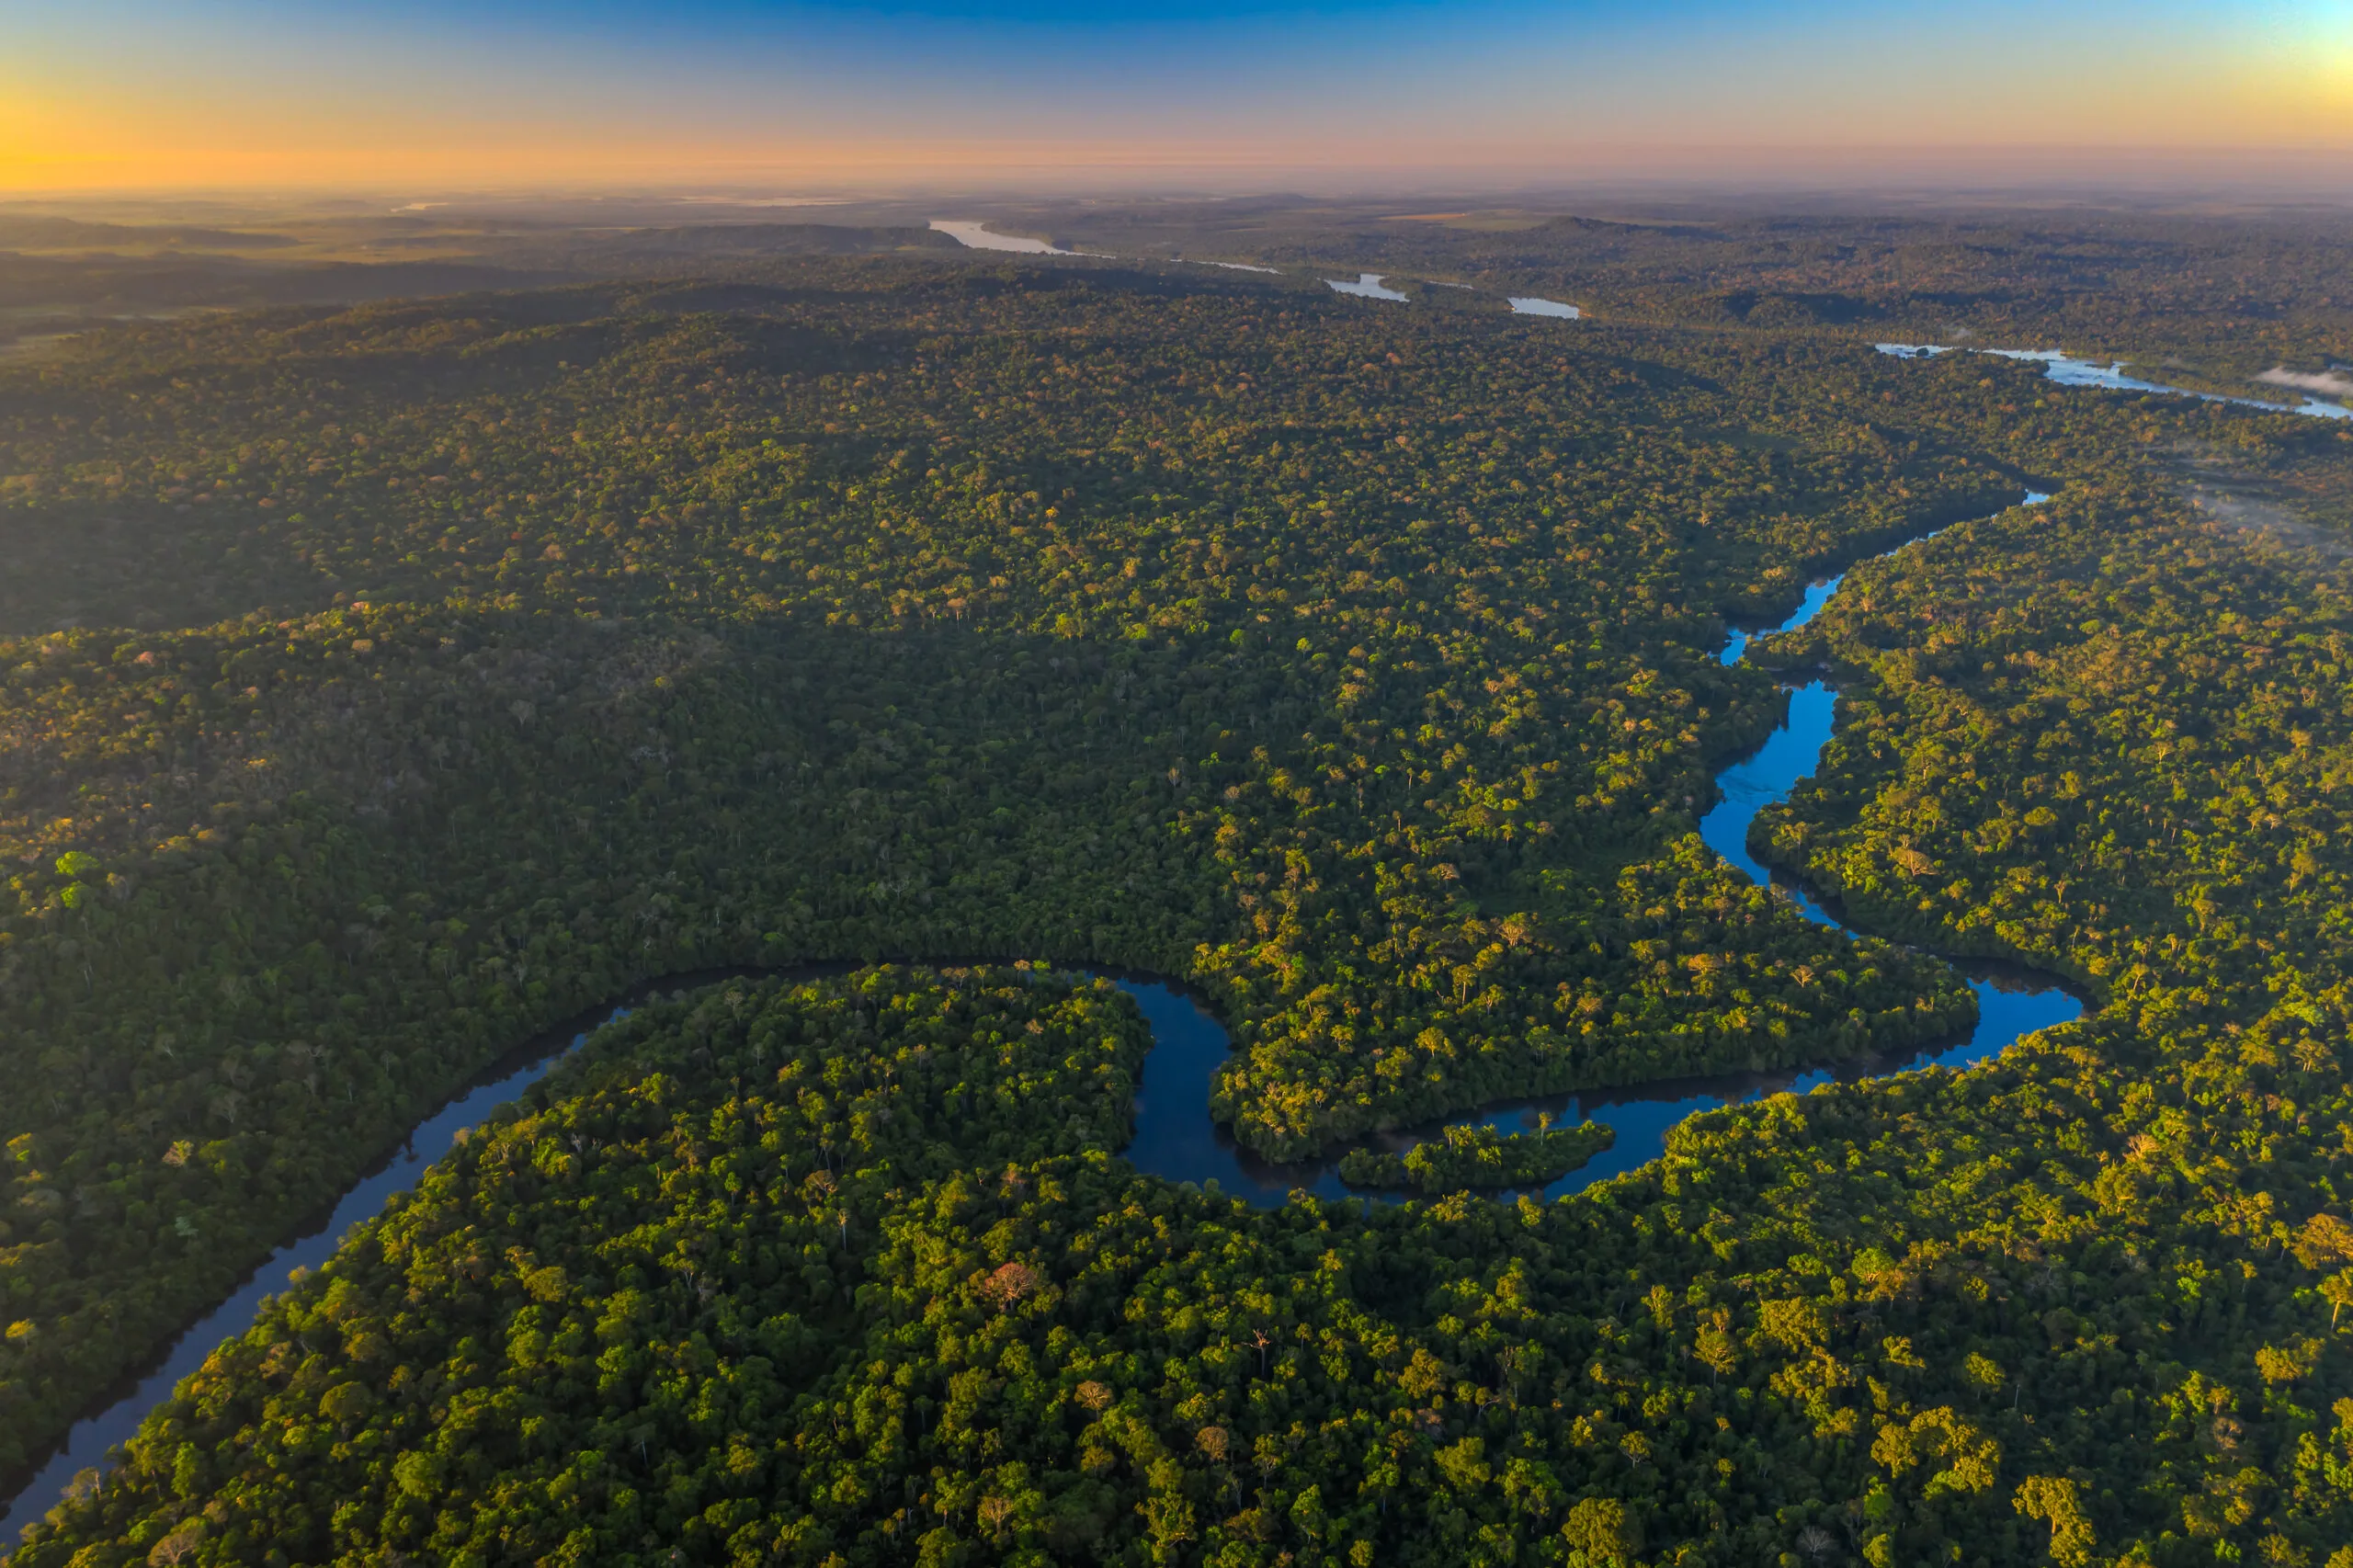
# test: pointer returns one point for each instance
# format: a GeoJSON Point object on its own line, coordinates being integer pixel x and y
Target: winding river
{"type": "Point", "coordinates": [1174, 1135]}
{"type": "Point", "coordinates": [1176, 1139]}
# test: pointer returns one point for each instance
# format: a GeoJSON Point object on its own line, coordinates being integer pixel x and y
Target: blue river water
{"type": "Point", "coordinates": [2070, 371]}
{"type": "Point", "coordinates": [1174, 1135]}
{"type": "Point", "coordinates": [86, 1446]}
{"type": "Point", "coordinates": [1176, 1139]}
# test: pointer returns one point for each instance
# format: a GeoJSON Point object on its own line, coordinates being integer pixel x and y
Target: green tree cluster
{"type": "Point", "coordinates": [1480, 1157]}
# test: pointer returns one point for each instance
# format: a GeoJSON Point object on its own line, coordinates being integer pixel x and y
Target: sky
{"type": "Point", "coordinates": [433, 96]}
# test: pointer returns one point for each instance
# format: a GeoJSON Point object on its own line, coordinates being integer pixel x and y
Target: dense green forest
{"type": "Point", "coordinates": [842, 1273]}
{"type": "Point", "coordinates": [441, 669]}
{"type": "Point", "coordinates": [1393, 751]}
{"type": "Point", "coordinates": [1463, 1158]}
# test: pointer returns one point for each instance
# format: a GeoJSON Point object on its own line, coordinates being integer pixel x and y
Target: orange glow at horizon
{"type": "Point", "coordinates": [2280, 98]}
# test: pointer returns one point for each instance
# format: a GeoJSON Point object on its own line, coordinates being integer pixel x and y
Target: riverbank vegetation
{"type": "Point", "coordinates": [1479, 1158]}
{"type": "Point", "coordinates": [1357, 666]}
{"type": "Point", "coordinates": [2152, 712]}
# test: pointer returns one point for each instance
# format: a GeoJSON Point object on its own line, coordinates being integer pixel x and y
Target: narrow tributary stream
{"type": "Point", "coordinates": [1174, 1135]}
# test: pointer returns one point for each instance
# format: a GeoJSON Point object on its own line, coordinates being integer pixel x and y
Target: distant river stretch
{"type": "Point", "coordinates": [1174, 1135]}
{"type": "Point", "coordinates": [976, 236]}
{"type": "Point", "coordinates": [2070, 371]}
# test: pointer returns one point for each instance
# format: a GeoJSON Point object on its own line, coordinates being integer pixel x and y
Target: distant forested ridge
{"type": "Point", "coordinates": [441, 669]}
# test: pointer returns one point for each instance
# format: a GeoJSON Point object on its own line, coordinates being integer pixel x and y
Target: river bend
{"type": "Point", "coordinates": [1174, 1135]}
